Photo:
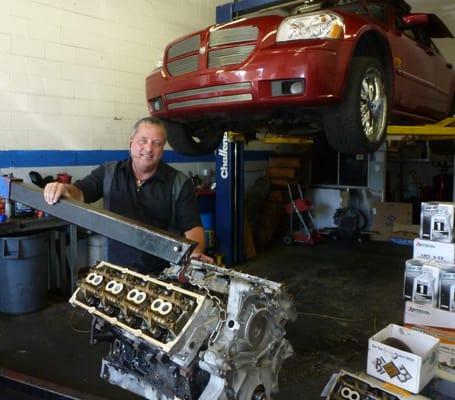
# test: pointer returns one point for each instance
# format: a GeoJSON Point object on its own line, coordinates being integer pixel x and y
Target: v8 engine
{"type": "Point", "coordinates": [198, 332]}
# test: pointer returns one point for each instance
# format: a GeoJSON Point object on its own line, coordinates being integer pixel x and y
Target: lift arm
{"type": "Point", "coordinates": [444, 129]}
{"type": "Point", "coordinates": [172, 248]}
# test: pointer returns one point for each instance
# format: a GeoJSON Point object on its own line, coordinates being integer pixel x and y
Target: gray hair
{"type": "Point", "coordinates": [149, 121]}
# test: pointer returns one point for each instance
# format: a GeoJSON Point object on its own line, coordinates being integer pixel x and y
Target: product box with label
{"type": "Point", "coordinates": [410, 370]}
{"type": "Point", "coordinates": [435, 322]}
{"type": "Point", "coordinates": [426, 286]}
{"type": "Point", "coordinates": [437, 221]}
{"type": "Point", "coordinates": [447, 290]}
{"type": "Point", "coordinates": [434, 250]}
{"type": "Point", "coordinates": [413, 269]}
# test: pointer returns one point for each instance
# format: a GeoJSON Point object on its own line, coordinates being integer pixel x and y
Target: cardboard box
{"type": "Point", "coordinates": [446, 355]}
{"type": "Point", "coordinates": [437, 323]}
{"type": "Point", "coordinates": [447, 290]}
{"type": "Point", "coordinates": [437, 221]}
{"type": "Point", "coordinates": [422, 314]}
{"type": "Point", "coordinates": [285, 161]}
{"type": "Point", "coordinates": [279, 196]}
{"type": "Point", "coordinates": [405, 231]}
{"type": "Point", "coordinates": [410, 371]}
{"type": "Point", "coordinates": [385, 215]}
{"type": "Point", "coordinates": [281, 172]}
{"type": "Point", "coordinates": [432, 250]}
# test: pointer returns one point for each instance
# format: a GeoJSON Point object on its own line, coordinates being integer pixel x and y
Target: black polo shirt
{"type": "Point", "coordinates": [151, 203]}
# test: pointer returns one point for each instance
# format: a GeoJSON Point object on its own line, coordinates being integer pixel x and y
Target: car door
{"type": "Point", "coordinates": [443, 70]}
{"type": "Point", "coordinates": [414, 88]}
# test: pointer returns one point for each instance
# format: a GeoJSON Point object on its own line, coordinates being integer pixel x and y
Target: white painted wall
{"type": "Point", "coordinates": [72, 72]}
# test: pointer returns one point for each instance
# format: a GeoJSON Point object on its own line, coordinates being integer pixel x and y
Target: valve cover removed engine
{"type": "Point", "coordinates": [219, 335]}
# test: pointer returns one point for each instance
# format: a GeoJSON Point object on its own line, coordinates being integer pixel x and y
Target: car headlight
{"type": "Point", "coordinates": [311, 26]}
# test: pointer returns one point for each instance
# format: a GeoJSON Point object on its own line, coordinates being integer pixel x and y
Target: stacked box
{"type": "Point", "coordinates": [437, 221]}
{"type": "Point", "coordinates": [429, 279]}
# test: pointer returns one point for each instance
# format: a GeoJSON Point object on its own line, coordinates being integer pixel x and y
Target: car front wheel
{"type": "Point", "coordinates": [358, 124]}
{"type": "Point", "coordinates": [192, 141]}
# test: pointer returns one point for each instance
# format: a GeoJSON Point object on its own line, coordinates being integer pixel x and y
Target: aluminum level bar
{"type": "Point", "coordinates": [157, 242]}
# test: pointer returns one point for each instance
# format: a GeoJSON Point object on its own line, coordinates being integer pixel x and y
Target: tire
{"type": "Point", "coordinates": [288, 240]}
{"type": "Point", "coordinates": [365, 95]}
{"type": "Point", "coordinates": [192, 142]}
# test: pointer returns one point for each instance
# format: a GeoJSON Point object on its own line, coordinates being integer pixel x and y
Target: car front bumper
{"type": "Point", "coordinates": [262, 82]}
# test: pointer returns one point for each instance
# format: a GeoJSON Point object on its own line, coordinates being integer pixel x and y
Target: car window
{"type": "Point", "coordinates": [434, 47]}
{"type": "Point", "coordinates": [377, 11]}
{"type": "Point", "coordinates": [422, 37]}
{"type": "Point", "coordinates": [408, 31]}
{"type": "Point", "coordinates": [354, 9]}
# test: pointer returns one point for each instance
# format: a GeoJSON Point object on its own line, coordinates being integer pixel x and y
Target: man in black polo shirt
{"type": "Point", "coordinates": [142, 188]}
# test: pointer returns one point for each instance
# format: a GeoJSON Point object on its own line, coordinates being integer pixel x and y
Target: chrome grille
{"type": "Point", "coordinates": [209, 90]}
{"type": "Point", "coordinates": [233, 35]}
{"type": "Point", "coordinates": [229, 56]}
{"type": "Point", "coordinates": [212, 100]}
{"type": "Point", "coordinates": [188, 45]}
{"type": "Point", "coordinates": [183, 65]}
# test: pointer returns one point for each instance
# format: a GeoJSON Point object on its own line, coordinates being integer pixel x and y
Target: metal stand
{"type": "Point", "coordinates": [230, 199]}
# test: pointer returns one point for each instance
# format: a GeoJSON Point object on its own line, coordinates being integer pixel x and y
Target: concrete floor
{"type": "Point", "coordinates": [344, 292]}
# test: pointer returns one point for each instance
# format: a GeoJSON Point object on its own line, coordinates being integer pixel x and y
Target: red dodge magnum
{"type": "Point", "coordinates": [341, 67]}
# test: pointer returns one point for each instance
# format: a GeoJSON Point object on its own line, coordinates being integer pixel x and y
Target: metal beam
{"type": "Point", "coordinates": [279, 139]}
{"type": "Point", "coordinates": [157, 242]}
{"type": "Point", "coordinates": [438, 131]}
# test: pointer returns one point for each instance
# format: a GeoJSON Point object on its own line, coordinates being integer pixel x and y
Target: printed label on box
{"type": "Point", "coordinates": [439, 251]}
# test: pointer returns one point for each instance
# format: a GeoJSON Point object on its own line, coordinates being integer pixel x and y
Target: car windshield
{"type": "Point", "coordinates": [314, 5]}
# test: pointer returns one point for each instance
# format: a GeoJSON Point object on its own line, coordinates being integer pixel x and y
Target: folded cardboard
{"type": "Point", "coordinates": [408, 370]}
{"type": "Point", "coordinates": [434, 250]}
{"type": "Point", "coordinates": [385, 215]}
{"type": "Point", "coordinates": [405, 231]}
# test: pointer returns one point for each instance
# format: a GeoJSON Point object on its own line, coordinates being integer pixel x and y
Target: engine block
{"type": "Point", "coordinates": [199, 332]}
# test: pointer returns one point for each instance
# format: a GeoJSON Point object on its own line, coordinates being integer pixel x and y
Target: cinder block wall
{"type": "Point", "coordinates": [72, 72]}
{"type": "Point", "coordinates": [444, 9]}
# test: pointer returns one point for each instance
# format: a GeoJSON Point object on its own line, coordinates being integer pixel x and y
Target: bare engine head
{"type": "Point", "coordinates": [219, 335]}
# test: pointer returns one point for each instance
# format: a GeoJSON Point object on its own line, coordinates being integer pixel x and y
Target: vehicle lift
{"type": "Point", "coordinates": [230, 158]}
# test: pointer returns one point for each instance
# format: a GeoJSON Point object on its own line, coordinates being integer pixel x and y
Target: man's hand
{"type": "Point", "coordinates": [54, 191]}
{"type": "Point", "coordinates": [202, 257]}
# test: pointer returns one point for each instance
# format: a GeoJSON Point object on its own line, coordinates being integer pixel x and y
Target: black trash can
{"type": "Point", "coordinates": [24, 264]}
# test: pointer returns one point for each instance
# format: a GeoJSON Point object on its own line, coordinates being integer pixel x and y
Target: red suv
{"type": "Point", "coordinates": [342, 67]}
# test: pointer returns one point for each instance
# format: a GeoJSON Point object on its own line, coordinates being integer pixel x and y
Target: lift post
{"type": "Point", "coordinates": [230, 184]}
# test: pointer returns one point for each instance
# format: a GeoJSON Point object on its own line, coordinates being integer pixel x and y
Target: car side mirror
{"type": "Point", "coordinates": [410, 20]}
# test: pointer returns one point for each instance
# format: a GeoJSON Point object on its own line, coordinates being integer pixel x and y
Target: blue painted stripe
{"type": "Point", "coordinates": [58, 158]}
